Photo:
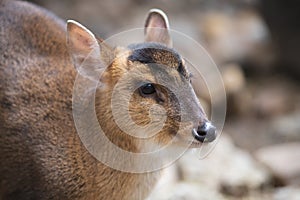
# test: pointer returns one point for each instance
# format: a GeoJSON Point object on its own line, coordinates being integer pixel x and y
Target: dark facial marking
{"type": "Point", "coordinates": [157, 53]}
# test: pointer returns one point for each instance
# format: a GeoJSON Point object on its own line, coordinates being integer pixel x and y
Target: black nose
{"type": "Point", "coordinates": [205, 132]}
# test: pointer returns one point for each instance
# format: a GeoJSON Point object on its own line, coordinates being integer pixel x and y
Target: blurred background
{"type": "Point", "coordinates": [256, 45]}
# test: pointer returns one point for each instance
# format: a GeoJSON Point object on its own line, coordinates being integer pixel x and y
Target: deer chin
{"type": "Point", "coordinates": [196, 144]}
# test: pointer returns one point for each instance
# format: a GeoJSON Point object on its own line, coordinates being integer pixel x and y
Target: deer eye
{"type": "Point", "coordinates": [147, 89]}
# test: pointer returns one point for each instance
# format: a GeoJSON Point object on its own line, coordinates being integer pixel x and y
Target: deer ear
{"type": "Point", "coordinates": [157, 28]}
{"type": "Point", "coordinates": [84, 49]}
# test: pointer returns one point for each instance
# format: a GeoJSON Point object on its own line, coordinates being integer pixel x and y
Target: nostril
{"type": "Point", "coordinates": [198, 136]}
{"type": "Point", "coordinates": [202, 130]}
{"type": "Point", "coordinates": [205, 133]}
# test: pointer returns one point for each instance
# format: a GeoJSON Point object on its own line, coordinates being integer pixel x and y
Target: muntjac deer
{"type": "Point", "coordinates": [41, 154]}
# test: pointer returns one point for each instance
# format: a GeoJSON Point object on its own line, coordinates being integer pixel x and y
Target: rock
{"type": "Point", "coordinates": [233, 35]}
{"type": "Point", "coordinates": [282, 160]}
{"type": "Point", "coordinates": [287, 127]}
{"type": "Point", "coordinates": [233, 78]}
{"type": "Point", "coordinates": [290, 193]}
{"type": "Point", "coordinates": [226, 168]}
{"type": "Point", "coordinates": [240, 104]}
{"type": "Point", "coordinates": [185, 191]}
{"type": "Point", "coordinates": [271, 100]}
{"type": "Point", "coordinates": [251, 133]}
{"type": "Point", "coordinates": [236, 90]}
{"type": "Point", "coordinates": [172, 187]}
{"type": "Point", "coordinates": [266, 97]}
{"type": "Point", "coordinates": [226, 173]}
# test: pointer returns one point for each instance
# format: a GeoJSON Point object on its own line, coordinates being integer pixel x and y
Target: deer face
{"type": "Point", "coordinates": [150, 80]}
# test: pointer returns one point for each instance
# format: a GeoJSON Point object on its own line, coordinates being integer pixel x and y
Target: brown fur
{"type": "Point", "coordinates": [41, 155]}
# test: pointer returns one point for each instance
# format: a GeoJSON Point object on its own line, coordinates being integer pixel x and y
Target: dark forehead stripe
{"type": "Point", "coordinates": [157, 53]}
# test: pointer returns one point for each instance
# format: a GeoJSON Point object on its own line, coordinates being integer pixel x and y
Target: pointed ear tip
{"type": "Point", "coordinates": [159, 12]}
{"type": "Point", "coordinates": [72, 24]}
{"type": "Point", "coordinates": [75, 26]}
{"type": "Point", "coordinates": [156, 10]}
{"type": "Point", "coordinates": [70, 21]}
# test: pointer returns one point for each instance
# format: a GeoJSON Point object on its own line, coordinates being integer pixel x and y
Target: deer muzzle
{"type": "Point", "coordinates": [205, 133]}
